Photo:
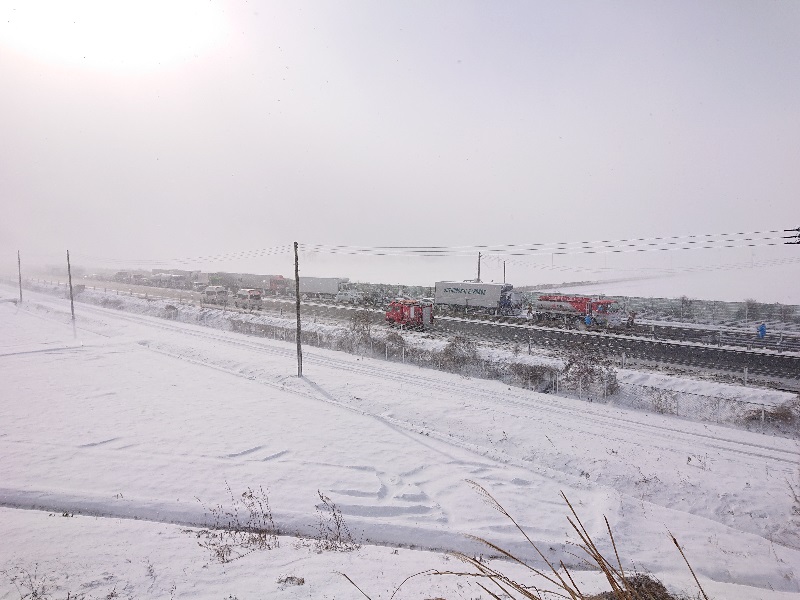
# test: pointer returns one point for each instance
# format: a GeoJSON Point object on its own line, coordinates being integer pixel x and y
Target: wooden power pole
{"type": "Point", "coordinates": [479, 267]}
{"type": "Point", "coordinates": [19, 271]}
{"type": "Point", "coordinates": [71, 301]}
{"type": "Point", "coordinates": [297, 306]}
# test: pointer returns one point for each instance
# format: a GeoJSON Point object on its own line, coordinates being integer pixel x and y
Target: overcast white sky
{"type": "Point", "coordinates": [150, 130]}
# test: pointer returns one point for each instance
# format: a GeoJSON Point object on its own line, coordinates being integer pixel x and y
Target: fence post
{"type": "Point", "coordinates": [745, 375]}
{"type": "Point", "coordinates": [762, 418]}
{"type": "Point", "coordinates": [529, 344]}
{"type": "Point", "coordinates": [404, 354]}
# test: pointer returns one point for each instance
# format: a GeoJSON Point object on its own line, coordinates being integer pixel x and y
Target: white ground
{"type": "Point", "coordinates": [134, 417]}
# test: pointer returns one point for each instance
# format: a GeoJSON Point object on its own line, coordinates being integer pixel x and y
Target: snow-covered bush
{"type": "Point", "coordinates": [589, 373]}
{"type": "Point", "coordinates": [530, 375]}
{"type": "Point", "coordinates": [459, 354]}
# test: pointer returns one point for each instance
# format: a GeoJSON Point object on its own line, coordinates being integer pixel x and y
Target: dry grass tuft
{"type": "Point", "coordinates": [495, 583]}
{"type": "Point", "coordinates": [644, 586]}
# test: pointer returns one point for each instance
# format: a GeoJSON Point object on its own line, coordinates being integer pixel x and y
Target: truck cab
{"type": "Point", "coordinates": [409, 314]}
{"type": "Point", "coordinates": [248, 298]}
{"type": "Point", "coordinates": [215, 294]}
{"type": "Point", "coordinates": [350, 296]}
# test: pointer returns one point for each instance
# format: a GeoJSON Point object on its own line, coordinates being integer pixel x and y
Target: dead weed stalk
{"type": "Point", "coordinates": [333, 532]}
{"type": "Point", "coordinates": [243, 527]}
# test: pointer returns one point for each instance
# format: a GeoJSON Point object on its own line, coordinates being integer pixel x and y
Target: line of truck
{"type": "Point", "coordinates": [466, 297]}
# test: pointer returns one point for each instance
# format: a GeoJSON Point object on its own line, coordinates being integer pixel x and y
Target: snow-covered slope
{"type": "Point", "coordinates": [137, 417]}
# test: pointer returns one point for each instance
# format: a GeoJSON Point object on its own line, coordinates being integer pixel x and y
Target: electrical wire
{"type": "Point", "coordinates": [705, 241]}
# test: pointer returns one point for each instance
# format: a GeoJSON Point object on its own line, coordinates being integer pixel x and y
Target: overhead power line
{"type": "Point", "coordinates": [704, 241]}
{"type": "Point", "coordinates": [654, 244]}
{"type": "Point", "coordinates": [238, 255]}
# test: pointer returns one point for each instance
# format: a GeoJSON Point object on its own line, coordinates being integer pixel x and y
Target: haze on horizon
{"type": "Point", "coordinates": [142, 132]}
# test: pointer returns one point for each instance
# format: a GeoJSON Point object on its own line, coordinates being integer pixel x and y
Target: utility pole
{"type": "Point", "coordinates": [71, 300]}
{"type": "Point", "coordinates": [297, 305]}
{"type": "Point", "coordinates": [504, 271]}
{"type": "Point", "coordinates": [479, 267]}
{"type": "Point", "coordinates": [19, 270]}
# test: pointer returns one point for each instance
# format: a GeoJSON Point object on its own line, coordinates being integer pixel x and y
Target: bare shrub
{"type": "Point", "coordinates": [395, 339]}
{"type": "Point", "coordinates": [664, 401]}
{"type": "Point", "coordinates": [361, 322]}
{"type": "Point", "coordinates": [529, 375]}
{"type": "Point", "coordinates": [492, 370]}
{"type": "Point", "coordinates": [29, 585]}
{"type": "Point", "coordinates": [110, 302]}
{"type": "Point", "coordinates": [347, 343]}
{"type": "Point", "coordinates": [35, 586]}
{"type": "Point", "coordinates": [787, 413]}
{"type": "Point", "coordinates": [459, 353]}
{"type": "Point", "coordinates": [586, 371]}
{"type": "Point", "coordinates": [333, 532]}
{"type": "Point", "coordinates": [243, 527]}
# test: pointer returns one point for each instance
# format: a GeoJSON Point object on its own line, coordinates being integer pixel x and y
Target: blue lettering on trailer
{"type": "Point", "coordinates": [464, 291]}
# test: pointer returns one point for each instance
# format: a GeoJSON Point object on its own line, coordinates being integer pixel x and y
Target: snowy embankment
{"type": "Point", "coordinates": [143, 416]}
{"type": "Point", "coordinates": [702, 400]}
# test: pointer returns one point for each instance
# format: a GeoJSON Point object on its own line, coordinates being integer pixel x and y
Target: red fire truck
{"type": "Point", "coordinates": [409, 314]}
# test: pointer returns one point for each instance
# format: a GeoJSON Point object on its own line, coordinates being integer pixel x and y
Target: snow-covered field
{"type": "Point", "coordinates": [137, 426]}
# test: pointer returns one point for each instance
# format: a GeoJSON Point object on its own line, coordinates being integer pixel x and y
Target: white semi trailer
{"type": "Point", "coordinates": [494, 298]}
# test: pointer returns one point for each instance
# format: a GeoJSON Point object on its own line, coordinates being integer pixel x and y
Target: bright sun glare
{"type": "Point", "coordinates": [112, 35]}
